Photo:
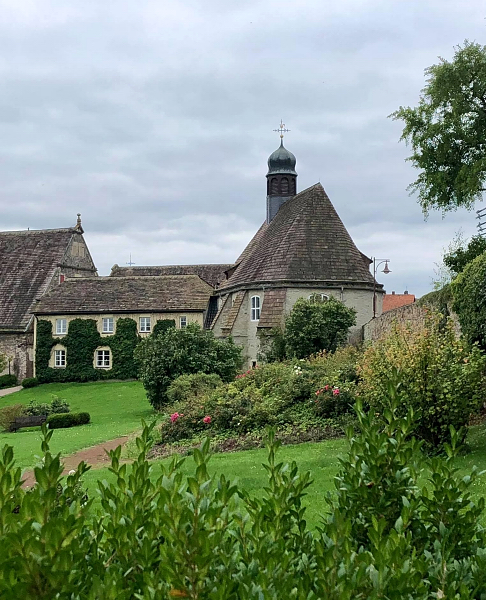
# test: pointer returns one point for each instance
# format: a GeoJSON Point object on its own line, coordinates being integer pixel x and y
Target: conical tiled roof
{"type": "Point", "coordinates": [305, 242]}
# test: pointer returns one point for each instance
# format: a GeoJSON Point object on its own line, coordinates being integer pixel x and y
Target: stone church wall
{"type": "Point", "coordinates": [19, 348]}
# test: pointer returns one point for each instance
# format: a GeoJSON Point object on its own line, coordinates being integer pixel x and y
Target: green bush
{"type": "Point", "coordinates": [64, 420]}
{"type": "Point", "coordinates": [277, 394]}
{"type": "Point", "coordinates": [164, 357]}
{"type": "Point", "coordinates": [442, 378]}
{"type": "Point", "coordinates": [7, 381]}
{"type": "Point", "coordinates": [469, 294]}
{"type": "Point", "coordinates": [162, 325]}
{"type": "Point", "coordinates": [57, 405]}
{"type": "Point", "coordinates": [9, 413]}
{"type": "Point", "coordinates": [188, 388]}
{"type": "Point", "coordinates": [181, 533]}
{"type": "Point", "coordinates": [312, 326]}
{"type": "Point", "coordinates": [30, 382]}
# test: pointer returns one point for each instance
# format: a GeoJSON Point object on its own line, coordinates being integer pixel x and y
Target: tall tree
{"type": "Point", "coordinates": [447, 131]}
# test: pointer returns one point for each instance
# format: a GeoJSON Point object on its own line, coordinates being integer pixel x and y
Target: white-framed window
{"type": "Point", "coordinates": [61, 326]}
{"type": "Point", "coordinates": [103, 359]}
{"type": "Point", "coordinates": [255, 308]}
{"type": "Point", "coordinates": [108, 325]}
{"type": "Point", "coordinates": [318, 297]}
{"type": "Point", "coordinates": [183, 322]}
{"type": "Point", "coordinates": [145, 325]}
{"type": "Point", "coordinates": [60, 358]}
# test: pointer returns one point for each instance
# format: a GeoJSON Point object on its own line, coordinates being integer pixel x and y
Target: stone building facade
{"type": "Point", "coordinates": [301, 249]}
{"type": "Point", "coordinates": [31, 264]}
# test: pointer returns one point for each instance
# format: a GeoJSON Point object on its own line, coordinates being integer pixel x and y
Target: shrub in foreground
{"type": "Point", "coordinates": [57, 405]}
{"type": "Point", "coordinates": [188, 388]}
{"type": "Point", "coordinates": [30, 382]}
{"type": "Point", "coordinates": [64, 420]}
{"type": "Point", "coordinates": [441, 377]}
{"type": "Point", "coordinates": [164, 357]}
{"type": "Point", "coordinates": [200, 536]}
{"type": "Point", "coordinates": [7, 381]}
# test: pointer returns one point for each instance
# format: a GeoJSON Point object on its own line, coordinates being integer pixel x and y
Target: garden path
{"type": "Point", "coordinates": [7, 391]}
{"type": "Point", "coordinates": [95, 457]}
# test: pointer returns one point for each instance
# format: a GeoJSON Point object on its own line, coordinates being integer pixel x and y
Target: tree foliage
{"type": "Point", "coordinates": [447, 131]}
{"type": "Point", "coordinates": [457, 259]}
{"type": "Point", "coordinates": [164, 357]}
{"type": "Point", "coordinates": [314, 325]}
{"type": "Point", "coordinates": [469, 294]}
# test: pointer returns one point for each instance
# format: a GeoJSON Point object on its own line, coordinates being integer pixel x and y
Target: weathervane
{"type": "Point", "coordinates": [281, 129]}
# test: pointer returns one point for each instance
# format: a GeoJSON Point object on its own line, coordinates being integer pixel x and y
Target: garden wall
{"type": "Point", "coordinates": [381, 326]}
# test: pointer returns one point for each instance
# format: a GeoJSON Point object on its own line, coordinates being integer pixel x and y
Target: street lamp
{"type": "Point", "coordinates": [386, 270]}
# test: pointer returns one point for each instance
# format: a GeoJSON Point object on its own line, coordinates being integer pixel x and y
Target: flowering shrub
{"type": "Point", "coordinates": [441, 377]}
{"type": "Point", "coordinates": [277, 394]}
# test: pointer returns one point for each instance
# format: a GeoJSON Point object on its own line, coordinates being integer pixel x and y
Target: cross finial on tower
{"type": "Point", "coordinates": [281, 129]}
{"type": "Point", "coordinates": [130, 261]}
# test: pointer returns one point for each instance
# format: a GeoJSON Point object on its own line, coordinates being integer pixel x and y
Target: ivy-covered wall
{"type": "Point", "coordinates": [81, 341]}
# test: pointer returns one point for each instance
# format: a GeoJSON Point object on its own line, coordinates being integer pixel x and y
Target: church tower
{"type": "Point", "coordinates": [281, 177]}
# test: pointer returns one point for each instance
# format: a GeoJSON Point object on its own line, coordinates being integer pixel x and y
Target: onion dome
{"type": "Point", "coordinates": [281, 161]}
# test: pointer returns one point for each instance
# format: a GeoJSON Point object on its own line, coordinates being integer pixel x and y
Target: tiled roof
{"type": "Point", "coordinates": [126, 294]}
{"type": "Point", "coordinates": [305, 242]}
{"type": "Point", "coordinates": [212, 274]}
{"type": "Point", "coordinates": [233, 312]}
{"type": "Point", "coordinates": [391, 301]}
{"type": "Point", "coordinates": [28, 260]}
{"type": "Point", "coordinates": [273, 308]}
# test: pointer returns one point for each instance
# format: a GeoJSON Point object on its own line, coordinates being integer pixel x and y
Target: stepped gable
{"type": "Point", "coordinates": [212, 274]}
{"type": "Point", "coordinates": [305, 242]}
{"type": "Point", "coordinates": [94, 295]}
{"type": "Point", "coordinates": [28, 260]}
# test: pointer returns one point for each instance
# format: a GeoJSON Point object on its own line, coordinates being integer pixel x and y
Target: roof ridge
{"type": "Point", "coordinates": [27, 231]}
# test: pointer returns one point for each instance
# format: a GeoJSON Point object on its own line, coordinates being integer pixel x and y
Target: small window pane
{"type": "Point", "coordinates": [61, 326]}
{"type": "Point", "coordinates": [60, 358]}
{"type": "Point", "coordinates": [183, 322]}
{"type": "Point", "coordinates": [107, 324]}
{"type": "Point", "coordinates": [255, 308]}
{"type": "Point", "coordinates": [145, 324]}
{"type": "Point", "coordinates": [103, 359]}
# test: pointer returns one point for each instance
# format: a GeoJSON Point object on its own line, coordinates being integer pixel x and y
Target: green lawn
{"type": "Point", "coordinates": [116, 409]}
{"type": "Point", "coordinates": [321, 459]}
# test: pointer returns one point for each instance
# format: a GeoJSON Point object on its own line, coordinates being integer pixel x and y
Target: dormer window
{"type": "Point", "coordinates": [255, 308]}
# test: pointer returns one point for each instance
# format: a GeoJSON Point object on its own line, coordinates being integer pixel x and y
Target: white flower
{"type": "Point", "coordinates": [71, 472]}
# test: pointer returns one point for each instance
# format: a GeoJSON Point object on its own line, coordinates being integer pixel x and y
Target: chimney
{"type": "Point", "coordinates": [393, 293]}
{"type": "Point", "coordinates": [405, 292]}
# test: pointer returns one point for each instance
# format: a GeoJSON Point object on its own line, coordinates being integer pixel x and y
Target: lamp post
{"type": "Point", "coordinates": [386, 270]}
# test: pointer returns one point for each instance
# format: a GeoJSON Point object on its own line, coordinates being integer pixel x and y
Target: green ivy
{"type": "Point", "coordinates": [162, 325]}
{"type": "Point", "coordinates": [81, 342]}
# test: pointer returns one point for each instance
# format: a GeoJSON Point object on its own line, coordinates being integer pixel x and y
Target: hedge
{"type": "Point", "coordinates": [64, 420]}
{"type": "Point", "coordinates": [7, 381]}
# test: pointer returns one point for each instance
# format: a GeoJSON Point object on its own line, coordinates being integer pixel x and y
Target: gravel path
{"type": "Point", "coordinates": [94, 456]}
{"type": "Point", "coordinates": [11, 390]}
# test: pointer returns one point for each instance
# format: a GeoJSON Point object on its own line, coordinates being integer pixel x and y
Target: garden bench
{"type": "Point", "coordinates": [31, 421]}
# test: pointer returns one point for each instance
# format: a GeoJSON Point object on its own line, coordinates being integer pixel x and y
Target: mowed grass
{"type": "Point", "coordinates": [116, 409]}
{"type": "Point", "coordinates": [321, 459]}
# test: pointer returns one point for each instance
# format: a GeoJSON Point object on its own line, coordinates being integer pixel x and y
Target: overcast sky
{"type": "Point", "coordinates": [154, 120]}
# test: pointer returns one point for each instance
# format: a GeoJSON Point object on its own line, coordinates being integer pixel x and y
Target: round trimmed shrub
{"type": "Point", "coordinates": [30, 382]}
{"type": "Point", "coordinates": [7, 381]}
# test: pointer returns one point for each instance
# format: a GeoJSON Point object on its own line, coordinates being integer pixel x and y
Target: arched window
{"type": "Point", "coordinates": [318, 298]}
{"type": "Point", "coordinates": [255, 308]}
{"type": "Point", "coordinates": [284, 186]}
{"type": "Point", "coordinates": [292, 186]}
{"type": "Point", "coordinates": [274, 186]}
{"type": "Point", "coordinates": [58, 358]}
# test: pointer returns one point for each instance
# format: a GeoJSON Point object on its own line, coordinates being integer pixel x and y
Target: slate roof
{"type": "Point", "coordinates": [212, 274]}
{"type": "Point", "coordinates": [305, 242]}
{"type": "Point", "coordinates": [92, 295]}
{"type": "Point", "coordinates": [28, 260]}
{"type": "Point", "coordinates": [391, 301]}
